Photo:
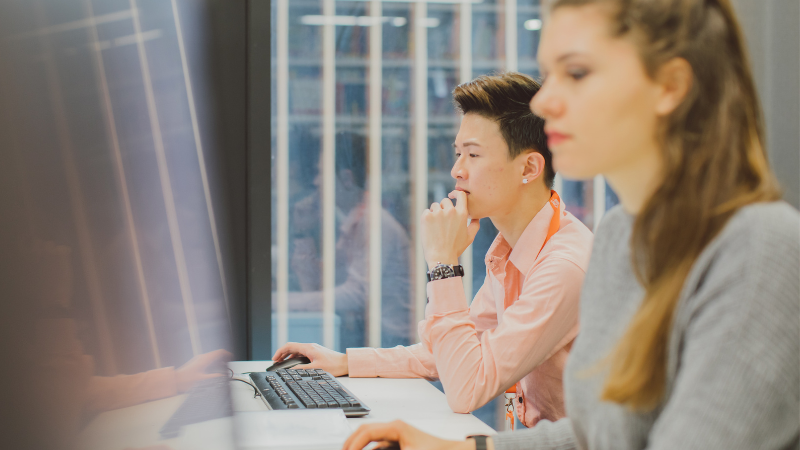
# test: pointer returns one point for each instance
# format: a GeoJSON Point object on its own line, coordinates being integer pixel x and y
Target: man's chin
{"type": "Point", "coordinates": [476, 215]}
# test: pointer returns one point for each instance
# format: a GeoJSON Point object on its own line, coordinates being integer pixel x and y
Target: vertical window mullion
{"type": "Point", "coordinates": [420, 147]}
{"type": "Point", "coordinates": [328, 174]}
{"type": "Point", "coordinates": [511, 35]}
{"type": "Point", "coordinates": [375, 172]}
{"type": "Point", "coordinates": [282, 172]}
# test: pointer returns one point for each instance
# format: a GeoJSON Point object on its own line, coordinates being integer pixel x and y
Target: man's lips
{"type": "Point", "coordinates": [555, 138]}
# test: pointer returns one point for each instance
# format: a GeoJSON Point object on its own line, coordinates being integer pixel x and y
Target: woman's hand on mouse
{"type": "Point", "coordinates": [323, 358]}
{"type": "Point", "coordinates": [405, 436]}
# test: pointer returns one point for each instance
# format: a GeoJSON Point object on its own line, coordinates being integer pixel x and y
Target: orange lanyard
{"type": "Point", "coordinates": [555, 223]}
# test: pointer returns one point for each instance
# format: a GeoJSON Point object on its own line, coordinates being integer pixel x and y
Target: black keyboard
{"type": "Point", "coordinates": [310, 388]}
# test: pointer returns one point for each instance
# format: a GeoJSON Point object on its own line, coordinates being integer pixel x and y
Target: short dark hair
{"type": "Point", "coordinates": [351, 154]}
{"type": "Point", "coordinates": [504, 98]}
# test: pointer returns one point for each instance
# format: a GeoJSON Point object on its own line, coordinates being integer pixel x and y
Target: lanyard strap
{"type": "Point", "coordinates": [555, 223]}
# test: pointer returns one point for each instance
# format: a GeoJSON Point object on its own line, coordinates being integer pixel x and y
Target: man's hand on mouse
{"type": "Point", "coordinates": [323, 358]}
{"type": "Point", "coordinates": [446, 230]}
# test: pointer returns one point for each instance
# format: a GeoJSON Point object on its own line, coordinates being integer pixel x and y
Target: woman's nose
{"type": "Point", "coordinates": [545, 104]}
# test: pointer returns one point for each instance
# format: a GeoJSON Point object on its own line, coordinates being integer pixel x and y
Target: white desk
{"type": "Point", "coordinates": [414, 401]}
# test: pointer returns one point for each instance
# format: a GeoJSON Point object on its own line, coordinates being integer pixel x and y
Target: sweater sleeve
{"type": "Point", "coordinates": [545, 435]}
{"type": "Point", "coordinates": [738, 383]}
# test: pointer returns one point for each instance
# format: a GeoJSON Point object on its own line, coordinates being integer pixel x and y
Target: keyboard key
{"type": "Point", "coordinates": [293, 405]}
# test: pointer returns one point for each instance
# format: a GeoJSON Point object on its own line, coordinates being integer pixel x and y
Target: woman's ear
{"type": "Point", "coordinates": [533, 167]}
{"type": "Point", "coordinates": [675, 80]}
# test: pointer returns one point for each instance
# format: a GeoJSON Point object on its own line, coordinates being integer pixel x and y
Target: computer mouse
{"type": "Point", "coordinates": [288, 363]}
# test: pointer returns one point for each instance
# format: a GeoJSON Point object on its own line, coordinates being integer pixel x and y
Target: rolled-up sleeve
{"type": "Point", "coordinates": [474, 368]}
{"type": "Point", "coordinates": [413, 361]}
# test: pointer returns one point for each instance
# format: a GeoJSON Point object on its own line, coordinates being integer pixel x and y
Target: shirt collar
{"type": "Point", "coordinates": [524, 254]}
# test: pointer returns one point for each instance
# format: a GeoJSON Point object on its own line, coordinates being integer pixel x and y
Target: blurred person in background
{"type": "Point", "coordinates": [352, 254]}
{"type": "Point", "coordinates": [689, 313]}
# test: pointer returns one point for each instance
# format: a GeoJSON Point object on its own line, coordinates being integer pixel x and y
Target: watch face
{"type": "Point", "coordinates": [442, 271]}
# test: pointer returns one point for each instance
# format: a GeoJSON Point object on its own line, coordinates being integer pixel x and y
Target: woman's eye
{"type": "Point", "coordinates": [577, 74]}
{"type": "Point", "coordinates": [458, 155]}
{"type": "Point", "coordinates": [472, 155]}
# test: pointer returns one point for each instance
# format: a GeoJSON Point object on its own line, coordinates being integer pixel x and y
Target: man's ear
{"type": "Point", "coordinates": [533, 167]}
{"type": "Point", "coordinates": [675, 80]}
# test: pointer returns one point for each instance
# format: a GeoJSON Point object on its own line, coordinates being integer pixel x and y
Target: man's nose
{"type": "Point", "coordinates": [458, 171]}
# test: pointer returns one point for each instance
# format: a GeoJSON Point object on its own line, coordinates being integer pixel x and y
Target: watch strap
{"type": "Point", "coordinates": [458, 271]}
{"type": "Point", "coordinates": [480, 441]}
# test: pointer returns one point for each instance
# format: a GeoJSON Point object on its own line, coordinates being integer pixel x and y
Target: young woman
{"type": "Point", "coordinates": [690, 337]}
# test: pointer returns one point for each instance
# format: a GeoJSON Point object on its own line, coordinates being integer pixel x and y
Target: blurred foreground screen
{"type": "Point", "coordinates": [116, 281]}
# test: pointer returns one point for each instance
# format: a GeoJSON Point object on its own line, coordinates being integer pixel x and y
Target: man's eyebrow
{"type": "Point", "coordinates": [468, 144]}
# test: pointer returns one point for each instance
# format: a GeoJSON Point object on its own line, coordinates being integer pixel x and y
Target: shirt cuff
{"type": "Point", "coordinates": [362, 363]}
{"type": "Point", "coordinates": [446, 296]}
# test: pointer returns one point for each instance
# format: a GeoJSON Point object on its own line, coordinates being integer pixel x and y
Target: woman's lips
{"type": "Point", "coordinates": [462, 190]}
{"type": "Point", "coordinates": [555, 138]}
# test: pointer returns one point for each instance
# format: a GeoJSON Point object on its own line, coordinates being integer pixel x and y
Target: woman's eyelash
{"type": "Point", "coordinates": [577, 74]}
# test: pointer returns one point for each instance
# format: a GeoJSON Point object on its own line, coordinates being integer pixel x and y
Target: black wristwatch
{"type": "Point", "coordinates": [480, 441]}
{"type": "Point", "coordinates": [442, 271]}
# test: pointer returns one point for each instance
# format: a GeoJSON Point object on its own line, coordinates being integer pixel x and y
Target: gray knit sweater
{"type": "Point", "coordinates": [733, 366]}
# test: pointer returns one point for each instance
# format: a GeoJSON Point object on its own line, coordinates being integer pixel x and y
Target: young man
{"type": "Point", "coordinates": [523, 320]}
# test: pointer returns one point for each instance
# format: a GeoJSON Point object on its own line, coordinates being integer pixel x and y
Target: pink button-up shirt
{"type": "Point", "coordinates": [519, 328]}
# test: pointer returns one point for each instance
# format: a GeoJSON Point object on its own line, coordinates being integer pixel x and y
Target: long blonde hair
{"type": "Point", "coordinates": [714, 163]}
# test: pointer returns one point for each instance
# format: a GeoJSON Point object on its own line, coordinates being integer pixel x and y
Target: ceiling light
{"type": "Point", "coordinates": [533, 24]}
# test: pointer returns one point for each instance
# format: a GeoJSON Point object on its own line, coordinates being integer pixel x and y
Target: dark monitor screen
{"type": "Point", "coordinates": [121, 124]}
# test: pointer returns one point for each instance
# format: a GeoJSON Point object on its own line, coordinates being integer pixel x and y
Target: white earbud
{"type": "Point", "coordinates": [524, 181]}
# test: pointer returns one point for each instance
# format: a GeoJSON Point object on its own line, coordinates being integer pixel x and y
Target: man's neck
{"type": "Point", "coordinates": [512, 224]}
